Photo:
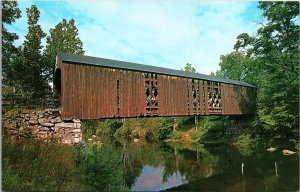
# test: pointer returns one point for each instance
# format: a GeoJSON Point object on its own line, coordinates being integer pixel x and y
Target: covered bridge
{"type": "Point", "coordinates": [93, 88]}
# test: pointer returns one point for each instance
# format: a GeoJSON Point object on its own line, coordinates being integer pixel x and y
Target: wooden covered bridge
{"type": "Point", "coordinates": [93, 88]}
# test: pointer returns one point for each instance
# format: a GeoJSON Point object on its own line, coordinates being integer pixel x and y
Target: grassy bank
{"type": "Point", "coordinates": [40, 166]}
{"type": "Point", "coordinates": [213, 130]}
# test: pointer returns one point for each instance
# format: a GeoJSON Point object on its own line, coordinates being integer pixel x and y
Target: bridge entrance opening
{"type": "Point", "coordinates": [57, 83]}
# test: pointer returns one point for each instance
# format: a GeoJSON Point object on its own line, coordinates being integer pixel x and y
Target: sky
{"type": "Point", "coordinates": [167, 33]}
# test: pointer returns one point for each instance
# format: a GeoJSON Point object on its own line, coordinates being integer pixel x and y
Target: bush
{"type": "Point", "coordinates": [89, 128]}
{"type": "Point", "coordinates": [149, 136]}
{"type": "Point", "coordinates": [102, 168]}
{"type": "Point", "coordinates": [244, 140]}
{"type": "Point", "coordinates": [165, 129]}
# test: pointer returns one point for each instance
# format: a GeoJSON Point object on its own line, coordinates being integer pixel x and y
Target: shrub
{"type": "Point", "coordinates": [165, 129]}
{"type": "Point", "coordinates": [244, 140]}
{"type": "Point", "coordinates": [149, 136]}
{"type": "Point", "coordinates": [102, 168]}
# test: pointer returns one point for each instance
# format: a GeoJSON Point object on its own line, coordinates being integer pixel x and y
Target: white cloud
{"type": "Point", "coordinates": [167, 34]}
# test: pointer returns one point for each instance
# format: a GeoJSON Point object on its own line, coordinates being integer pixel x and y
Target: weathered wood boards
{"type": "Point", "coordinates": [93, 92]}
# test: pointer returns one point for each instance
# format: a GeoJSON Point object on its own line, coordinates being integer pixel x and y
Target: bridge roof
{"type": "Point", "coordinates": [88, 60]}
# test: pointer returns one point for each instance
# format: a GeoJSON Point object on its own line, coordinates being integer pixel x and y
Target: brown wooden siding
{"type": "Point", "coordinates": [92, 92]}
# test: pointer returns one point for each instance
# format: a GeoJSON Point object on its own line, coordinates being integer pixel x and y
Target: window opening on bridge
{"type": "Point", "coordinates": [151, 94]}
{"type": "Point", "coordinates": [195, 97]}
{"type": "Point", "coordinates": [147, 82]}
{"type": "Point", "coordinates": [214, 98]}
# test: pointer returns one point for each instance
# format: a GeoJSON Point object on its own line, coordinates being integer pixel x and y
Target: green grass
{"type": "Point", "coordinates": [38, 166]}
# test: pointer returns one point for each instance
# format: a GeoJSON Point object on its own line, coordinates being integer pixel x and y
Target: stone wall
{"type": "Point", "coordinates": [42, 125]}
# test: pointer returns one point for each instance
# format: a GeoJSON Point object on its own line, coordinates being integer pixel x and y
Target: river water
{"type": "Point", "coordinates": [159, 166]}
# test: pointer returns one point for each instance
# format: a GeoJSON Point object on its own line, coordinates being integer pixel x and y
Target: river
{"type": "Point", "coordinates": [177, 167]}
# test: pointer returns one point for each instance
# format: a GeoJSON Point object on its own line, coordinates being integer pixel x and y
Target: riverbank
{"type": "Point", "coordinates": [38, 155]}
{"type": "Point", "coordinates": [45, 164]}
{"type": "Point", "coordinates": [211, 131]}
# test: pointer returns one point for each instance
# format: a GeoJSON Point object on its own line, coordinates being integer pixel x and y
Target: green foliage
{"type": "Point", "coordinates": [63, 38]}
{"type": "Point", "coordinates": [102, 168]}
{"type": "Point", "coordinates": [244, 140]}
{"type": "Point", "coordinates": [38, 166]}
{"type": "Point", "coordinates": [105, 129]}
{"type": "Point", "coordinates": [10, 12]}
{"type": "Point", "coordinates": [88, 128]}
{"type": "Point", "coordinates": [29, 67]}
{"type": "Point", "coordinates": [165, 128]}
{"type": "Point", "coordinates": [25, 69]}
{"type": "Point", "coordinates": [189, 68]}
{"type": "Point", "coordinates": [149, 136]}
{"type": "Point", "coordinates": [270, 60]}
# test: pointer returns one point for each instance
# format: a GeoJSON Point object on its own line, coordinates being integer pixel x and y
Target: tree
{"type": "Point", "coordinates": [189, 68]}
{"type": "Point", "coordinates": [29, 67]}
{"type": "Point", "coordinates": [10, 12]}
{"type": "Point", "coordinates": [239, 67]}
{"type": "Point", "coordinates": [270, 60]}
{"type": "Point", "coordinates": [63, 38]}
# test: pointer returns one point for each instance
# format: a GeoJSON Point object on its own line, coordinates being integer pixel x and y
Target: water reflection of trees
{"type": "Point", "coordinates": [192, 164]}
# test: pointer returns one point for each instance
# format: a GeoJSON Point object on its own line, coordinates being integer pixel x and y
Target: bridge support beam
{"type": "Point", "coordinates": [174, 124]}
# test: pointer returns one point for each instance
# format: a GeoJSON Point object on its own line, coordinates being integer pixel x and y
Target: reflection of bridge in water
{"type": "Point", "coordinates": [93, 88]}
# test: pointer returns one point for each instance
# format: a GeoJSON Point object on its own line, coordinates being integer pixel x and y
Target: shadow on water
{"type": "Point", "coordinates": [159, 166]}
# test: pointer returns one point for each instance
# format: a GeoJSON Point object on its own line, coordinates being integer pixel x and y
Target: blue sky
{"type": "Point", "coordinates": [166, 33]}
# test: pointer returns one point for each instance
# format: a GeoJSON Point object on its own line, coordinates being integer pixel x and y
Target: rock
{"type": "Point", "coordinates": [67, 141]}
{"type": "Point", "coordinates": [65, 125]}
{"type": "Point", "coordinates": [52, 116]}
{"type": "Point", "coordinates": [288, 152]}
{"type": "Point", "coordinates": [34, 117]}
{"type": "Point", "coordinates": [77, 135]}
{"type": "Point", "coordinates": [42, 120]}
{"type": "Point", "coordinates": [77, 125]}
{"type": "Point", "coordinates": [271, 149]}
{"type": "Point", "coordinates": [52, 120]}
{"type": "Point", "coordinates": [34, 129]}
{"type": "Point", "coordinates": [41, 115]}
{"type": "Point", "coordinates": [33, 122]}
{"type": "Point", "coordinates": [94, 136]}
{"type": "Point", "coordinates": [44, 129]}
{"type": "Point", "coordinates": [76, 140]}
{"type": "Point", "coordinates": [58, 119]}
{"type": "Point", "coordinates": [47, 124]}
{"type": "Point", "coordinates": [136, 140]}
{"type": "Point", "coordinates": [67, 138]}
{"type": "Point", "coordinates": [59, 130]}
{"type": "Point", "coordinates": [77, 131]}
{"type": "Point", "coordinates": [55, 120]}
{"type": "Point", "coordinates": [76, 120]}
{"type": "Point", "coordinates": [42, 134]}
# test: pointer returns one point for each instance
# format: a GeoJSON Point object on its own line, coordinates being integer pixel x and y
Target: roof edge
{"type": "Point", "coordinates": [110, 63]}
